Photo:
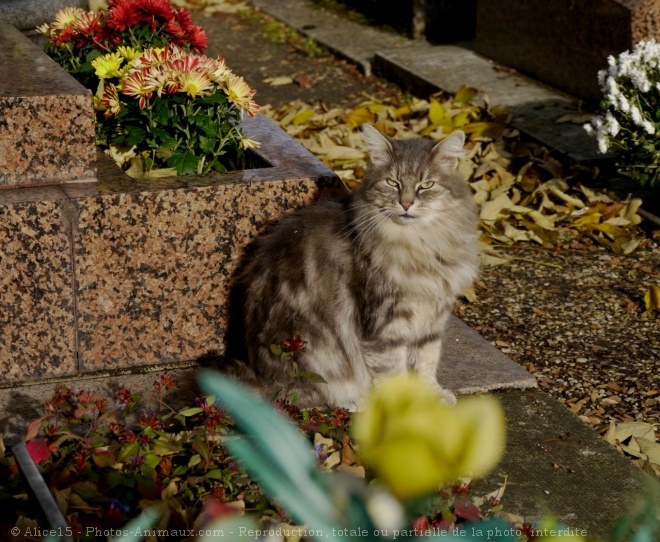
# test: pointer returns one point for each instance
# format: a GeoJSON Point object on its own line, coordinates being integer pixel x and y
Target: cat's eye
{"type": "Point", "coordinates": [426, 184]}
{"type": "Point", "coordinates": [392, 183]}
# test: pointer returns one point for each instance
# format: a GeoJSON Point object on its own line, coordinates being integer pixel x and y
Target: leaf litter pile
{"type": "Point", "coordinates": [570, 285]}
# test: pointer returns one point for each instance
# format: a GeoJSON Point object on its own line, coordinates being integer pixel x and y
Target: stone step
{"type": "Point", "coordinates": [46, 118]}
{"type": "Point", "coordinates": [423, 69]}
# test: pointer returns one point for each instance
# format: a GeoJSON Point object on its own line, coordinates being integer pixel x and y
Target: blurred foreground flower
{"type": "Point", "coordinates": [416, 443]}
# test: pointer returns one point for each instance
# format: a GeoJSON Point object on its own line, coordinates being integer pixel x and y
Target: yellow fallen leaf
{"type": "Point", "coordinates": [491, 210]}
{"type": "Point", "coordinates": [650, 449]}
{"type": "Point", "coordinates": [303, 117]}
{"type": "Point", "coordinates": [461, 119]}
{"type": "Point", "coordinates": [563, 196]}
{"type": "Point", "coordinates": [629, 211]}
{"type": "Point", "coordinates": [652, 298]}
{"type": "Point", "coordinates": [493, 130]}
{"type": "Point", "coordinates": [488, 260]}
{"type": "Point", "coordinates": [465, 94]}
{"type": "Point", "coordinates": [359, 116]}
{"type": "Point", "coordinates": [339, 152]}
{"type": "Point", "coordinates": [438, 114]}
{"type": "Point", "coordinates": [634, 429]}
{"type": "Point", "coordinates": [586, 220]}
{"type": "Point", "coordinates": [470, 295]}
{"type": "Point", "coordinates": [279, 81]}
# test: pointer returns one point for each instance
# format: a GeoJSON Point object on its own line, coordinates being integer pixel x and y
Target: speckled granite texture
{"type": "Point", "coordinates": [152, 260]}
{"type": "Point", "coordinates": [37, 333]}
{"type": "Point", "coordinates": [46, 118]}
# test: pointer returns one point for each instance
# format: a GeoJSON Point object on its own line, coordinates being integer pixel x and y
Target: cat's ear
{"type": "Point", "coordinates": [448, 151]}
{"type": "Point", "coordinates": [380, 147]}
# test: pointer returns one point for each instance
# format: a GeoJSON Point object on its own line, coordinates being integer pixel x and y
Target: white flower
{"type": "Point", "coordinates": [612, 124]}
{"type": "Point", "coordinates": [650, 129]}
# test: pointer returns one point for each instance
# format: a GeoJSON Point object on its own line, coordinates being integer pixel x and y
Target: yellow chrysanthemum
{"type": "Point", "coordinates": [128, 53]}
{"type": "Point", "coordinates": [107, 66]}
{"type": "Point", "coordinates": [67, 17]}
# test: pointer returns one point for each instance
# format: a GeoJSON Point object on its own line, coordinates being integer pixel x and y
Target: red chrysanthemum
{"type": "Point", "coordinates": [122, 15]}
{"type": "Point", "coordinates": [153, 12]}
{"type": "Point", "coordinates": [66, 35]}
{"type": "Point", "coordinates": [198, 39]}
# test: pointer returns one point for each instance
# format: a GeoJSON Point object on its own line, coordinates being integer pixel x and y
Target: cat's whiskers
{"type": "Point", "coordinates": [367, 225]}
{"type": "Point", "coordinates": [351, 225]}
{"type": "Point", "coordinates": [360, 221]}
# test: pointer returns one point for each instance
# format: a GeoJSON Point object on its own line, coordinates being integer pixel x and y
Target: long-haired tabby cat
{"type": "Point", "coordinates": [369, 281]}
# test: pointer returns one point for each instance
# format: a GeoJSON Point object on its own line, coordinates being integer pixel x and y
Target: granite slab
{"type": "Point", "coordinates": [46, 118]}
{"type": "Point", "coordinates": [37, 308]}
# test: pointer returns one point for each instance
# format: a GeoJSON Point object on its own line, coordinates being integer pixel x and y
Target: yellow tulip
{"type": "Point", "coordinates": [415, 442]}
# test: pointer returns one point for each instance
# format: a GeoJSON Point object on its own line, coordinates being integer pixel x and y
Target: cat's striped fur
{"type": "Point", "coordinates": [368, 282]}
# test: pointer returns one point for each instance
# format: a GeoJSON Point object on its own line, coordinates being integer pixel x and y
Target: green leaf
{"type": "Point", "coordinates": [184, 163]}
{"type": "Point", "coordinates": [194, 460]}
{"type": "Point", "coordinates": [207, 144]}
{"type": "Point", "coordinates": [85, 490]}
{"type": "Point", "coordinates": [193, 411]}
{"type": "Point", "coordinates": [162, 447]}
{"type": "Point", "coordinates": [202, 448]}
{"type": "Point", "coordinates": [103, 458]}
{"type": "Point", "coordinates": [127, 452]}
{"type": "Point", "coordinates": [135, 136]}
{"type": "Point", "coordinates": [310, 376]}
{"type": "Point", "coordinates": [148, 472]}
{"type": "Point", "coordinates": [215, 474]}
{"type": "Point", "coordinates": [151, 460]}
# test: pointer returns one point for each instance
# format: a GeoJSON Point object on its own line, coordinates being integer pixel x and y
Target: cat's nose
{"type": "Point", "coordinates": [406, 205]}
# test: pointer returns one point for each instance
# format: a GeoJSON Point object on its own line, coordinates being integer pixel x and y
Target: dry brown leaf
{"type": "Point", "coordinates": [520, 188]}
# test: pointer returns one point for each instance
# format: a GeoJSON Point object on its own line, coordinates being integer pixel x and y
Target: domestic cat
{"type": "Point", "coordinates": [369, 281]}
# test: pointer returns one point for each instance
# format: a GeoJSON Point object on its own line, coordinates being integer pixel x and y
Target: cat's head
{"type": "Point", "coordinates": [413, 181]}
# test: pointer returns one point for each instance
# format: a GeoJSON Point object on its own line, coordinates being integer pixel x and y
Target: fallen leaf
{"type": "Point", "coordinates": [279, 81]}
{"type": "Point", "coordinates": [652, 298]}
{"type": "Point", "coordinates": [575, 118]}
{"type": "Point", "coordinates": [302, 80]}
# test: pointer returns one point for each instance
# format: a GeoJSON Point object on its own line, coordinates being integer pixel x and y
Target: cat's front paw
{"type": "Point", "coordinates": [448, 397]}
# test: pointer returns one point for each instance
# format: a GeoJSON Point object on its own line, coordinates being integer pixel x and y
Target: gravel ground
{"type": "Point", "coordinates": [576, 319]}
{"type": "Point", "coordinates": [573, 317]}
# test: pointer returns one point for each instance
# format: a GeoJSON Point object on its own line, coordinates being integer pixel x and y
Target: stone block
{"type": "Point", "coordinates": [154, 261]}
{"type": "Point", "coordinates": [46, 118]}
{"type": "Point", "coordinates": [28, 14]}
{"type": "Point", "coordinates": [563, 42]}
{"type": "Point", "coordinates": [37, 309]}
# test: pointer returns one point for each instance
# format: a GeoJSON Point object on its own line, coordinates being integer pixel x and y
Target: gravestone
{"type": "Point", "coordinates": [438, 21]}
{"type": "Point", "coordinates": [564, 42]}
